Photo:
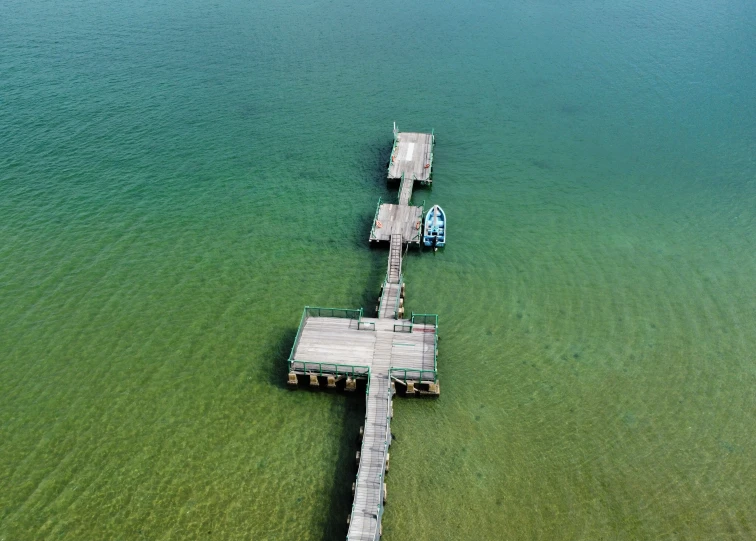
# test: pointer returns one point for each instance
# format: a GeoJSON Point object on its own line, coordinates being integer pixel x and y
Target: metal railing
{"type": "Point", "coordinates": [327, 369]}
{"type": "Point", "coordinates": [346, 313]}
{"type": "Point", "coordinates": [398, 296]}
{"type": "Point", "coordinates": [391, 156]}
{"type": "Point", "coordinates": [419, 234]}
{"type": "Point", "coordinates": [299, 334]}
{"type": "Point", "coordinates": [375, 219]}
{"type": "Point", "coordinates": [420, 373]}
{"type": "Point", "coordinates": [364, 325]}
{"type": "Point", "coordinates": [403, 327]}
{"type": "Point", "coordinates": [425, 319]}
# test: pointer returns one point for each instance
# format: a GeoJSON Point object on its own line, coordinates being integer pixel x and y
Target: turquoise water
{"type": "Point", "coordinates": [178, 179]}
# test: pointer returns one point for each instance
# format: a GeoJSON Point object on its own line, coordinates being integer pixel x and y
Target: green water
{"type": "Point", "coordinates": [178, 179]}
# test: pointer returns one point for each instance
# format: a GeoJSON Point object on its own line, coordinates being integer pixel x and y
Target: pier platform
{"type": "Point", "coordinates": [411, 156]}
{"type": "Point", "coordinates": [401, 220]}
{"type": "Point", "coordinates": [344, 345]}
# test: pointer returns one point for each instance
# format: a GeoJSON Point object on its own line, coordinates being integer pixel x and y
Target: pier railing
{"type": "Point", "coordinates": [425, 319]}
{"type": "Point", "coordinates": [391, 156]}
{"type": "Point", "coordinates": [365, 325]}
{"type": "Point", "coordinates": [398, 296]}
{"type": "Point", "coordinates": [331, 369]}
{"type": "Point", "coordinates": [419, 235]}
{"type": "Point", "coordinates": [346, 313]}
{"type": "Point", "coordinates": [375, 219]}
{"type": "Point", "coordinates": [414, 374]}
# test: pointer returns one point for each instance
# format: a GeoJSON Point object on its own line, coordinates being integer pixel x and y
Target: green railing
{"type": "Point", "coordinates": [327, 369]}
{"type": "Point", "coordinates": [398, 297]}
{"type": "Point", "coordinates": [393, 149]}
{"type": "Point", "coordinates": [375, 219]}
{"type": "Point", "coordinates": [364, 325]}
{"type": "Point", "coordinates": [421, 375]}
{"type": "Point", "coordinates": [430, 157]}
{"type": "Point", "coordinates": [419, 234]}
{"type": "Point", "coordinates": [346, 313]}
{"type": "Point", "coordinates": [403, 327]}
{"type": "Point", "coordinates": [299, 334]}
{"type": "Point", "coordinates": [425, 319]}
{"type": "Point", "coordinates": [383, 294]}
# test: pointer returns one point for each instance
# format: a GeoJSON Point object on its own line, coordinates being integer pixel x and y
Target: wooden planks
{"type": "Point", "coordinates": [405, 191]}
{"type": "Point", "coordinates": [411, 153]}
{"type": "Point", "coordinates": [334, 341]}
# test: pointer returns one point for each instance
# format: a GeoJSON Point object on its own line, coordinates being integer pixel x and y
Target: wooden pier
{"type": "Point", "coordinates": [335, 347]}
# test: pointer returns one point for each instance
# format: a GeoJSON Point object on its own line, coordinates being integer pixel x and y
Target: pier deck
{"type": "Point", "coordinates": [412, 156]}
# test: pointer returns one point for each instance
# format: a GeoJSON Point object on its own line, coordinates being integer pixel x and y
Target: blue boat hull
{"type": "Point", "coordinates": [434, 230]}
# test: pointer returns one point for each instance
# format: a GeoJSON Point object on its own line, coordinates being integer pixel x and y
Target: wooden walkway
{"type": "Point", "coordinates": [370, 487]}
{"type": "Point", "coordinates": [405, 191]}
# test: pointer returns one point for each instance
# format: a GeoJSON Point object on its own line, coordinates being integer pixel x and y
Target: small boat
{"type": "Point", "coordinates": [434, 233]}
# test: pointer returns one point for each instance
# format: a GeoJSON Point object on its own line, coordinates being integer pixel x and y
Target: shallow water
{"type": "Point", "coordinates": [178, 181]}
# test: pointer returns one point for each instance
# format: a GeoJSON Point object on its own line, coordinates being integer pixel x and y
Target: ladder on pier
{"type": "Point", "coordinates": [395, 259]}
{"type": "Point", "coordinates": [392, 287]}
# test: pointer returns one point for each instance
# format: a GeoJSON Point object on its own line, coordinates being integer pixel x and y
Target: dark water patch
{"type": "Point", "coordinates": [571, 109]}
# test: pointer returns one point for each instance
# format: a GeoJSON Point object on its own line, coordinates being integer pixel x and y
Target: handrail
{"type": "Point", "coordinates": [383, 293]}
{"type": "Point", "coordinates": [433, 321]}
{"type": "Point", "coordinates": [348, 313]}
{"type": "Point", "coordinates": [421, 231]}
{"type": "Point", "coordinates": [420, 372]}
{"type": "Point", "coordinates": [375, 218]}
{"type": "Point", "coordinates": [393, 148]}
{"type": "Point", "coordinates": [366, 323]}
{"type": "Point", "coordinates": [398, 297]}
{"type": "Point", "coordinates": [353, 370]}
{"type": "Point", "coordinates": [299, 334]}
{"type": "Point", "coordinates": [402, 327]}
